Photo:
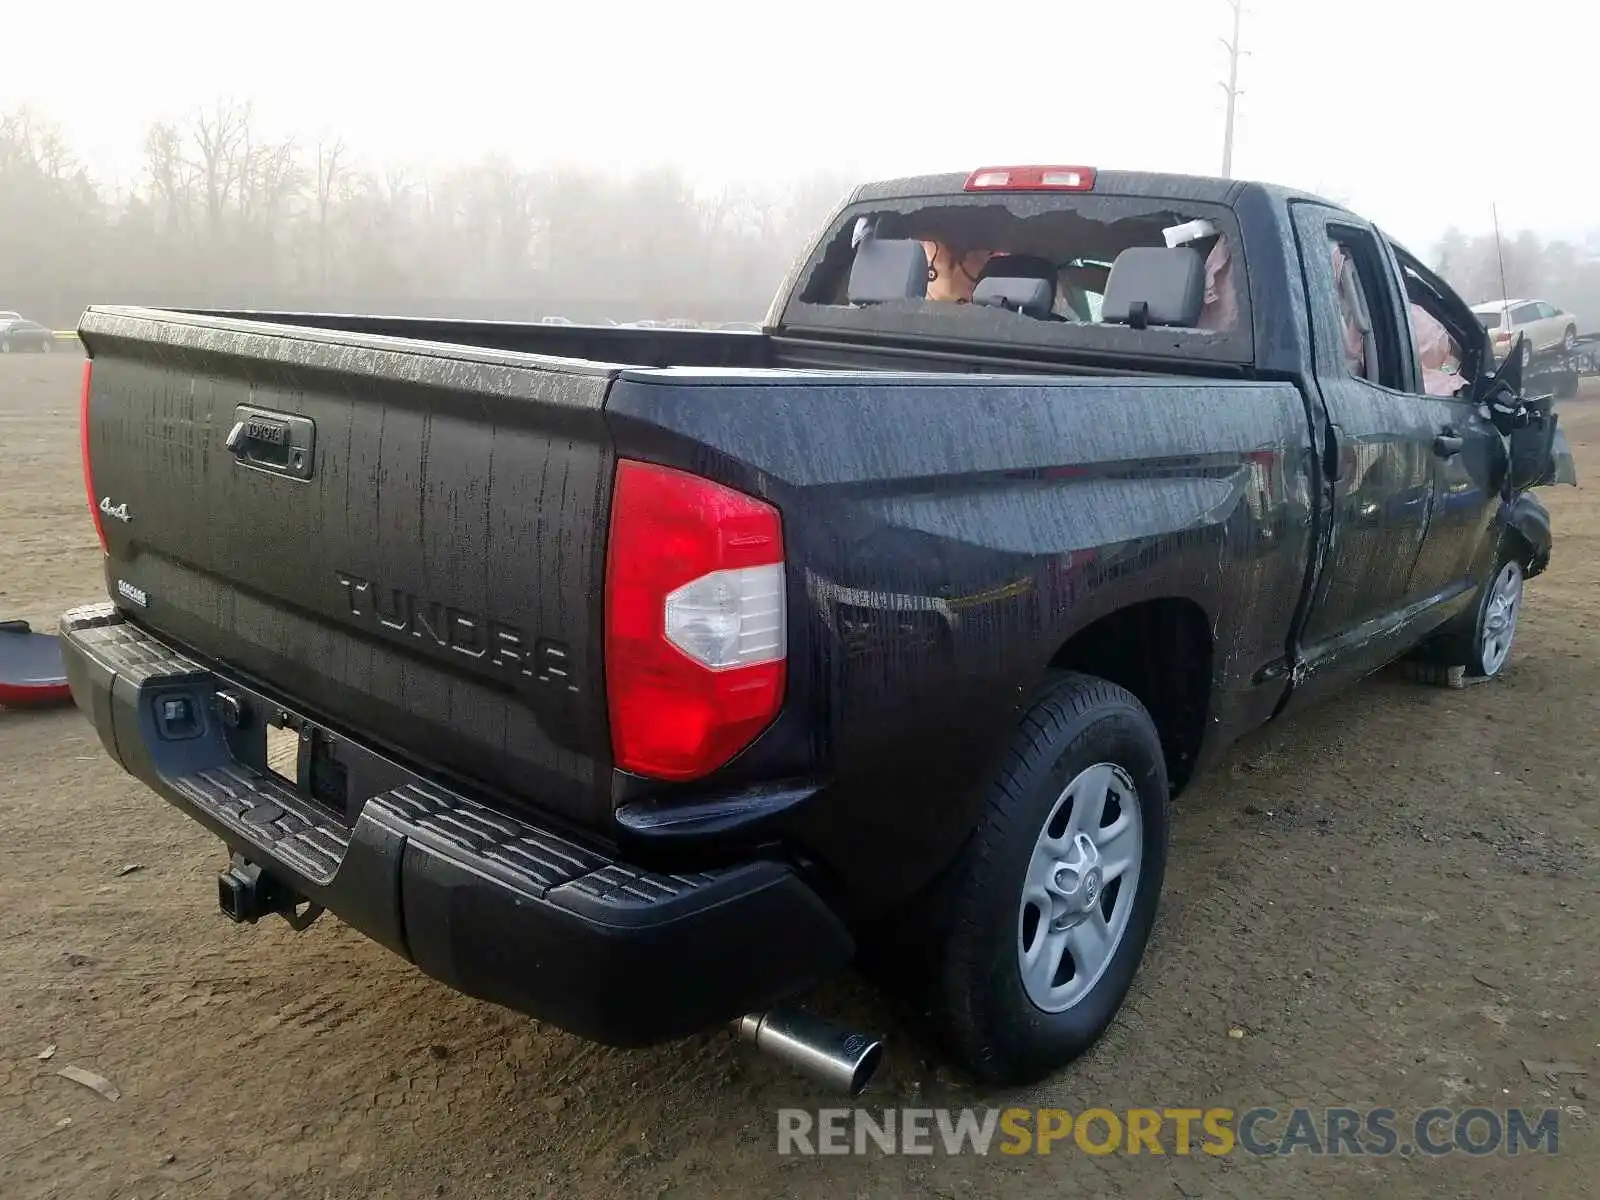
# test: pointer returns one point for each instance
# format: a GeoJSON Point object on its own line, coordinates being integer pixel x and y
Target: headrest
{"type": "Point", "coordinates": [1150, 285]}
{"type": "Point", "coordinates": [888, 269]}
{"type": "Point", "coordinates": [1019, 282]}
{"type": "Point", "coordinates": [1036, 297]}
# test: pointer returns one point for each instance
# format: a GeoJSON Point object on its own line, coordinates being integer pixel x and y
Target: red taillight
{"type": "Point", "coordinates": [695, 621]}
{"type": "Point", "coordinates": [88, 471]}
{"type": "Point", "coordinates": [1031, 179]}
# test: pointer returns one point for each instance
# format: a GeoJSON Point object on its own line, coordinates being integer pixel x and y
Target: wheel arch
{"type": "Point", "coordinates": [1525, 533]}
{"type": "Point", "coordinates": [1162, 651]}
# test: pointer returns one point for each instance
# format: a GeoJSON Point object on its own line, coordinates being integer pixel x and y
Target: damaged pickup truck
{"type": "Point", "coordinates": [639, 680]}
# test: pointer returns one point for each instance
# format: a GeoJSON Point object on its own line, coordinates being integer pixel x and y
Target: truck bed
{"type": "Point", "coordinates": [617, 347]}
{"type": "Point", "coordinates": [430, 581]}
{"type": "Point", "coordinates": [614, 346]}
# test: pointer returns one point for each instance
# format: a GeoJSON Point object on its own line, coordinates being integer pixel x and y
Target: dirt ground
{"type": "Point", "coordinates": [1395, 898]}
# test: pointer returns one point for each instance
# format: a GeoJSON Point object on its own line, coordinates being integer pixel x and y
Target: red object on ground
{"type": "Point", "coordinates": [31, 673]}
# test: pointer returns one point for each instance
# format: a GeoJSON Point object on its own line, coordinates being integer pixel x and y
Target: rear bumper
{"type": "Point", "coordinates": [491, 905]}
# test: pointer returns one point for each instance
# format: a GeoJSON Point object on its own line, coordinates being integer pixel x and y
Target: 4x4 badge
{"type": "Point", "coordinates": [119, 511]}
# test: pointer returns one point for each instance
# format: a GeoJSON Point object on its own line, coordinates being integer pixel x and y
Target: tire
{"type": "Point", "coordinates": [1083, 740]}
{"type": "Point", "coordinates": [1495, 619]}
{"type": "Point", "coordinates": [5, 347]}
{"type": "Point", "coordinates": [1482, 637]}
{"type": "Point", "coordinates": [1569, 340]}
{"type": "Point", "coordinates": [45, 347]}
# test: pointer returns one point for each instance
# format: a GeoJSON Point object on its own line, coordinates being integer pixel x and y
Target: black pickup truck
{"type": "Point", "coordinates": [640, 679]}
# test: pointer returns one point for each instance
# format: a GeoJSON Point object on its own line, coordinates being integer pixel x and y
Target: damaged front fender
{"type": "Point", "coordinates": [1530, 520]}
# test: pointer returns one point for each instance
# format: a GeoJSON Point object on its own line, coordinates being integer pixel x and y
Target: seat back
{"type": "Point", "coordinates": [888, 269]}
{"type": "Point", "coordinates": [1155, 285]}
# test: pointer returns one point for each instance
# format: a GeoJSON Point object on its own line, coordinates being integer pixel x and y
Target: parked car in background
{"type": "Point", "coordinates": [1545, 326]}
{"type": "Point", "coordinates": [17, 334]}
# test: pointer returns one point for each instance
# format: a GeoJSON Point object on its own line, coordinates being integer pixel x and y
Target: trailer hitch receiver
{"type": "Point", "coordinates": [246, 893]}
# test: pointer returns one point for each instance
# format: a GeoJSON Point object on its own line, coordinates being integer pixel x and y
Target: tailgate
{"type": "Point", "coordinates": [405, 538]}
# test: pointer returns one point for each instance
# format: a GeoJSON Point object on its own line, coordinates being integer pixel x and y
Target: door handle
{"type": "Point", "coordinates": [279, 443]}
{"type": "Point", "coordinates": [1448, 444]}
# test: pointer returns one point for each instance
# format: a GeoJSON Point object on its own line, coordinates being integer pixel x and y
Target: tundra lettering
{"type": "Point", "coordinates": [503, 646]}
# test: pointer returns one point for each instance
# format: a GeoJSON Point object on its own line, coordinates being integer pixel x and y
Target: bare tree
{"type": "Point", "coordinates": [224, 214]}
{"type": "Point", "coordinates": [331, 181]}
{"type": "Point", "coordinates": [172, 179]}
{"type": "Point", "coordinates": [221, 136]}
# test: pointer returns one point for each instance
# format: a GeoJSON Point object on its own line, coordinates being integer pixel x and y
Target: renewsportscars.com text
{"type": "Point", "coordinates": [1375, 1132]}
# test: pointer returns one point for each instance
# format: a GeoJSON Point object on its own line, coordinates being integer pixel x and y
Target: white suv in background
{"type": "Point", "coordinates": [1544, 325]}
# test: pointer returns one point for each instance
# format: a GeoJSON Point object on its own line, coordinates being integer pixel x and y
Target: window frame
{"type": "Point", "coordinates": [801, 316]}
{"type": "Point", "coordinates": [1397, 365]}
{"type": "Point", "coordinates": [1472, 340]}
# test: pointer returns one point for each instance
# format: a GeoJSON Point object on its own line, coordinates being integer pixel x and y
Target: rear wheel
{"type": "Point", "coordinates": [44, 346]}
{"type": "Point", "coordinates": [5, 347]}
{"type": "Point", "coordinates": [1057, 893]}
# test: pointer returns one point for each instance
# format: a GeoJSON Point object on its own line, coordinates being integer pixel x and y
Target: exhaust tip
{"type": "Point", "coordinates": [839, 1058]}
{"type": "Point", "coordinates": [866, 1066]}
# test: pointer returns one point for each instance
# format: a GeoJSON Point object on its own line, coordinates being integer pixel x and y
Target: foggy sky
{"type": "Point", "coordinates": [1417, 114]}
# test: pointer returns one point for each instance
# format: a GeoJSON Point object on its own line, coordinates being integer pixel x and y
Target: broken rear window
{"type": "Point", "coordinates": [1047, 259]}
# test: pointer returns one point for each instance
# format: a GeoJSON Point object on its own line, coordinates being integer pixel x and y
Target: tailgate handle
{"type": "Point", "coordinates": [275, 442]}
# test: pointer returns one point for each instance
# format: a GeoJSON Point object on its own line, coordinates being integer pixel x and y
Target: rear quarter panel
{"type": "Point", "coordinates": [946, 538]}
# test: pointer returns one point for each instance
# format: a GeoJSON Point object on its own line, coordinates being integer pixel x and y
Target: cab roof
{"type": "Point", "coordinates": [1201, 188]}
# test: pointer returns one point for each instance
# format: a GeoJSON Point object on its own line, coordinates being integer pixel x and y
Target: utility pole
{"type": "Point", "coordinates": [1231, 87]}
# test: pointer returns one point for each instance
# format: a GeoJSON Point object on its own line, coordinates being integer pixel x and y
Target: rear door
{"type": "Point", "coordinates": [1365, 603]}
{"type": "Point", "coordinates": [405, 538]}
